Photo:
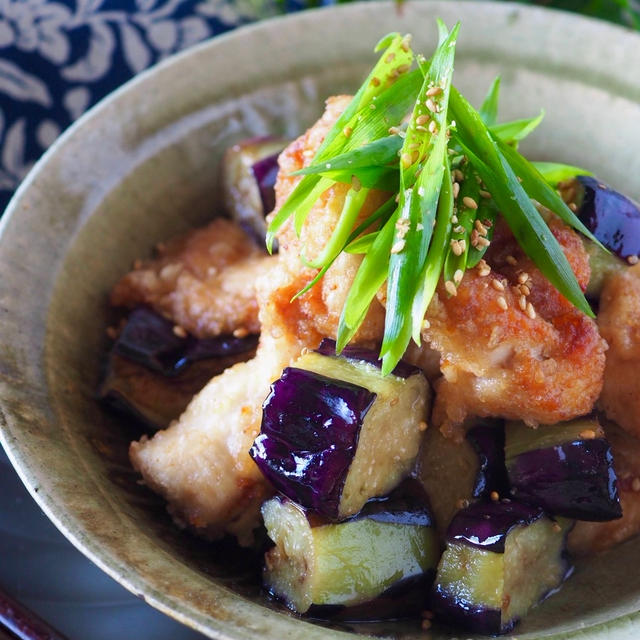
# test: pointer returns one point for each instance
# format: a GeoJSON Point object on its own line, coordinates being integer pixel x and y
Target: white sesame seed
{"type": "Point", "coordinates": [458, 275]}
{"type": "Point", "coordinates": [470, 202]}
{"type": "Point", "coordinates": [502, 303]}
{"type": "Point", "coordinates": [523, 277]}
{"type": "Point", "coordinates": [456, 189]}
{"type": "Point", "coordinates": [240, 332]}
{"type": "Point", "coordinates": [451, 288]}
{"type": "Point", "coordinates": [398, 246]}
{"type": "Point", "coordinates": [522, 302]}
{"type": "Point", "coordinates": [456, 248]}
{"type": "Point", "coordinates": [457, 175]}
{"type": "Point", "coordinates": [426, 324]}
{"type": "Point", "coordinates": [390, 57]}
{"type": "Point", "coordinates": [484, 194]}
{"type": "Point", "coordinates": [419, 226]}
{"type": "Point", "coordinates": [423, 119]}
{"type": "Point", "coordinates": [433, 127]}
{"type": "Point", "coordinates": [179, 331]}
{"type": "Point", "coordinates": [497, 285]}
{"type": "Point", "coordinates": [531, 312]}
{"type": "Point", "coordinates": [432, 106]}
{"type": "Point", "coordinates": [434, 91]}
{"type": "Point", "coordinates": [632, 259]}
{"type": "Point", "coordinates": [511, 260]}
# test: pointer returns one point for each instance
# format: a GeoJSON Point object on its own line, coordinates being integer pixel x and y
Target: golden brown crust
{"type": "Point", "coordinates": [619, 322]}
{"type": "Point", "coordinates": [203, 281]}
{"type": "Point", "coordinates": [500, 357]}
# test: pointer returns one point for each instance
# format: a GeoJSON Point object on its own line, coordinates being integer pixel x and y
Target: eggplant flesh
{"type": "Point", "coordinates": [488, 588]}
{"type": "Point", "coordinates": [455, 474]}
{"type": "Point", "coordinates": [249, 169]}
{"type": "Point", "coordinates": [325, 568]}
{"type": "Point", "coordinates": [567, 469]}
{"type": "Point", "coordinates": [336, 433]}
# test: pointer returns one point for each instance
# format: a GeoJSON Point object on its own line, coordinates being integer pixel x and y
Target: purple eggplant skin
{"type": "Point", "coordinates": [310, 430]}
{"type": "Point", "coordinates": [573, 479]}
{"type": "Point", "coordinates": [148, 339]}
{"type": "Point", "coordinates": [477, 619]}
{"type": "Point", "coordinates": [613, 218]}
{"type": "Point", "coordinates": [328, 348]}
{"type": "Point", "coordinates": [487, 525]}
{"type": "Point", "coordinates": [405, 599]}
{"type": "Point", "coordinates": [265, 171]}
{"type": "Point", "coordinates": [488, 442]}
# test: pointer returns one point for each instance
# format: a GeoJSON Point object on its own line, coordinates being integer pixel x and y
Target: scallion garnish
{"type": "Point", "coordinates": [448, 171]}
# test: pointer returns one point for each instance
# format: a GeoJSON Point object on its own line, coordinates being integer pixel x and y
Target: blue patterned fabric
{"type": "Point", "coordinates": [59, 57]}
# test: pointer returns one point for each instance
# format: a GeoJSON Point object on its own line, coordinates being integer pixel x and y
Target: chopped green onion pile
{"type": "Point", "coordinates": [449, 170]}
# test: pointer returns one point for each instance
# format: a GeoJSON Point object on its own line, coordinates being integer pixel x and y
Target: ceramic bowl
{"type": "Point", "coordinates": [142, 166]}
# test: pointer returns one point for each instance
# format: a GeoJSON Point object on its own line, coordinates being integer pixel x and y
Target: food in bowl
{"type": "Point", "coordinates": [349, 447]}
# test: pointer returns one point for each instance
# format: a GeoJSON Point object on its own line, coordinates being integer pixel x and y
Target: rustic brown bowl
{"type": "Point", "coordinates": [142, 166]}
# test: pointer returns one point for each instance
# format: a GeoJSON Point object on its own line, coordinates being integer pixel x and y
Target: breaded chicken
{"type": "Point", "coordinates": [201, 463]}
{"type": "Point", "coordinates": [619, 322]}
{"type": "Point", "coordinates": [203, 281]}
{"type": "Point", "coordinates": [591, 537]}
{"type": "Point", "coordinates": [511, 345]}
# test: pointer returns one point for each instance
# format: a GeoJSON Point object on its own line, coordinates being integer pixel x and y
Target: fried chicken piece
{"type": "Point", "coordinates": [201, 463]}
{"type": "Point", "coordinates": [501, 357]}
{"type": "Point", "coordinates": [588, 538]}
{"type": "Point", "coordinates": [619, 322]}
{"type": "Point", "coordinates": [203, 281]}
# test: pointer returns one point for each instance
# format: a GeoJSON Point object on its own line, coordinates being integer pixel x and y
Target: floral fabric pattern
{"type": "Point", "coordinates": [59, 57]}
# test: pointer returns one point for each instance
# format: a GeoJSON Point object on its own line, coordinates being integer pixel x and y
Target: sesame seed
{"type": "Point", "coordinates": [470, 202]}
{"type": "Point", "coordinates": [456, 248]}
{"type": "Point", "coordinates": [240, 332]}
{"type": "Point", "coordinates": [587, 434]}
{"type": "Point", "coordinates": [406, 160]}
{"type": "Point", "coordinates": [450, 288]}
{"type": "Point", "coordinates": [484, 194]}
{"type": "Point", "coordinates": [390, 57]}
{"type": "Point", "coordinates": [398, 246]}
{"type": "Point", "coordinates": [632, 259]}
{"type": "Point", "coordinates": [347, 131]}
{"type": "Point", "coordinates": [426, 324]}
{"type": "Point", "coordinates": [403, 68]}
{"type": "Point", "coordinates": [523, 277]}
{"type": "Point", "coordinates": [406, 43]}
{"type": "Point", "coordinates": [635, 485]}
{"type": "Point", "coordinates": [495, 496]}
{"type": "Point", "coordinates": [483, 242]}
{"type": "Point", "coordinates": [394, 131]}
{"type": "Point", "coordinates": [502, 303]}
{"type": "Point", "coordinates": [457, 175]}
{"type": "Point", "coordinates": [419, 127]}
{"type": "Point", "coordinates": [421, 191]}
{"type": "Point", "coordinates": [522, 302]}
{"type": "Point", "coordinates": [434, 91]}
{"type": "Point", "coordinates": [457, 276]}
{"type": "Point", "coordinates": [524, 290]}
{"type": "Point", "coordinates": [483, 269]}
{"type": "Point", "coordinates": [462, 503]}
{"type": "Point", "coordinates": [573, 206]}
{"type": "Point", "coordinates": [356, 185]}
{"type": "Point", "coordinates": [179, 331]}
{"type": "Point", "coordinates": [497, 285]}
{"type": "Point", "coordinates": [456, 189]}
{"type": "Point", "coordinates": [432, 106]}
{"type": "Point", "coordinates": [422, 425]}
{"type": "Point", "coordinates": [459, 229]}
{"type": "Point", "coordinates": [531, 312]}
{"type": "Point", "coordinates": [480, 228]}
{"type": "Point", "coordinates": [433, 127]}
{"type": "Point", "coordinates": [511, 260]}
{"type": "Point", "coordinates": [423, 119]}
{"type": "Point", "coordinates": [454, 219]}
{"type": "Point", "coordinates": [419, 226]}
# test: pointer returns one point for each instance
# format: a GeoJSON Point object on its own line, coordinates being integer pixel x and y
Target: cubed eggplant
{"type": "Point", "coordinates": [567, 469]}
{"type": "Point", "coordinates": [149, 339]}
{"type": "Point", "coordinates": [378, 564]}
{"type": "Point", "coordinates": [613, 218]}
{"type": "Point", "coordinates": [152, 373]}
{"type": "Point", "coordinates": [336, 433]}
{"type": "Point", "coordinates": [455, 474]}
{"type": "Point", "coordinates": [501, 559]}
{"type": "Point", "coordinates": [249, 170]}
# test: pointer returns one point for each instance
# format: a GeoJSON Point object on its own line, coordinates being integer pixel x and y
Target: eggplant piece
{"type": "Point", "coordinates": [152, 398]}
{"type": "Point", "coordinates": [336, 433]}
{"type": "Point", "coordinates": [501, 559]}
{"type": "Point", "coordinates": [613, 218]}
{"type": "Point", "coordinates": [567, 469]}
{"type": "Point", "coordinates": [455, 474]}
{"type": "Point", "coordinates": [249, 171]}
{"type": "Point", "coordinates": [378, 564]}
{"type": "Point", "coordinates": [149, 339]}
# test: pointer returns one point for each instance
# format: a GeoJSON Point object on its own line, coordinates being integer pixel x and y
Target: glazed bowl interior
{"type": "Point", "coordinates": [143, 166]}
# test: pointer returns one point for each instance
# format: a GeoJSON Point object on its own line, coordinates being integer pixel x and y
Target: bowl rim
{"type": "Point", "coordinates": [8, 436]}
